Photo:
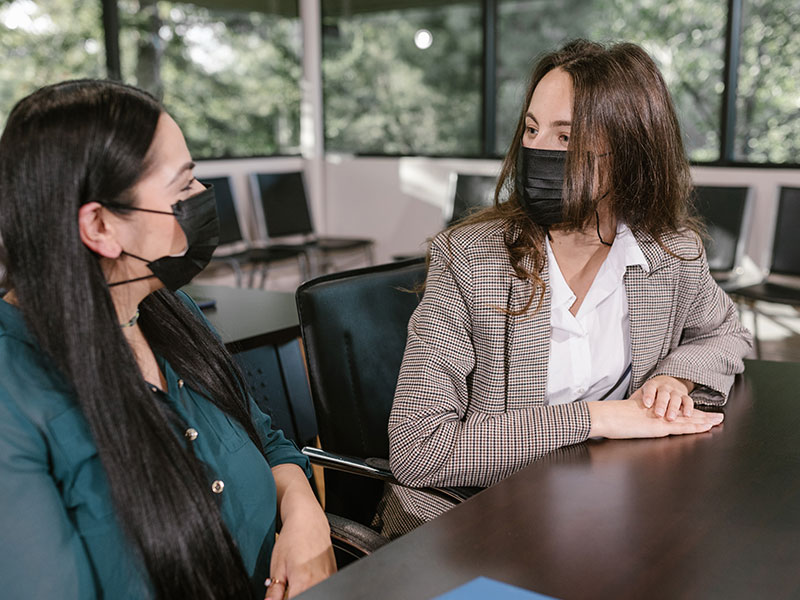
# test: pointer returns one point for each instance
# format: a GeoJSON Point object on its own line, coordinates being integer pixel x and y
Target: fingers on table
{"type": "Point", "coordinates": [699, 421]}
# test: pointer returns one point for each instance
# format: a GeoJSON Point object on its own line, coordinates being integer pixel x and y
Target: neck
{"type": "Point", "coordinates": [587, 237]}
{"type": "Point", "coordinates": [127, 296]}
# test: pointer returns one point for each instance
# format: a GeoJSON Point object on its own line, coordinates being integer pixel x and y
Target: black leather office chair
{"type": "Point", "coordinates": [726, 212]}
{"type": "Point", "coordinates": [354, 327]}
{"type": "Point", "coordinates": [234, 250]}
{"type": "Point", "coordinates": [782, 284]}
{"type": "Point", "coordinates": [282, 208]}
{"type": "Point", "coordinates": [469, 193]}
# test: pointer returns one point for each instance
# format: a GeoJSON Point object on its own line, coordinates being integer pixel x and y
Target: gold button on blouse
{"type": "Point", "coordinates": [218, 486]}
{"type": "Point", "coordinates": [180, 383]}
{"type": "Point", "coordinates": [191, 434]}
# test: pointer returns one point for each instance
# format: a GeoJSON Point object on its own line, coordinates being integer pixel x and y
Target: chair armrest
{"type": "Point", "coordinates": [352, 540]}
{"type": "Point", "coordinates": [378, 468]}
{"type": "Point", "coordinates": [349, 464]}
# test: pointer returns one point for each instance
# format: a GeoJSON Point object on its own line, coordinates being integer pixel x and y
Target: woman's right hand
{"type": "Point", "coordinates": [631, 419]}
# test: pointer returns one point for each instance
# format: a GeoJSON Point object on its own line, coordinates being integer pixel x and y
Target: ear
{"type": "Point", "coordinates": [97, 230]}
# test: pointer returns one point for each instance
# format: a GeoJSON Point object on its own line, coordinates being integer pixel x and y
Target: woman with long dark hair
{"type": "Point", "coordinates": [586, 281]}
{"type": "Point", "coordinates": [134, 464]}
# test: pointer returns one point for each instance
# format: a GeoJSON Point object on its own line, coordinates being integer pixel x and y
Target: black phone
{"type": "Point", "coordinates": [205, 303]}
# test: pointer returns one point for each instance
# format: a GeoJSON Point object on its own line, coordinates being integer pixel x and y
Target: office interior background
{"type": "Point", "coordinates": [378, 102]}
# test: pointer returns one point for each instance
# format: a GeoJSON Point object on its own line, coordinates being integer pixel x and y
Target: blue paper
{"type": "Point", "coordinates": [483, 588]}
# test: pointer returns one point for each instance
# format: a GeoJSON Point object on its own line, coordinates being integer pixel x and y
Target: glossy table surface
{"type": "Point", "coordinates": [715, 515]}
{"type": "Point", "coordinates": [247, 318]}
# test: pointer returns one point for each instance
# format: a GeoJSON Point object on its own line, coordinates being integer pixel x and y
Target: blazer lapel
{"type": "Point", "coordinates": [646, 291]}
{"type": "Point", "coordinates": [527, 344]}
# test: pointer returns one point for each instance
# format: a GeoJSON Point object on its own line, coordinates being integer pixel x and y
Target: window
{"type": "Point", "coordinates": [407, 76]}
{"type": "Point", "coordinates": [768, 94]}
{"type": "Point", "coordinates": [46, 42]}
{"type": "Point", "coordinates": [231, 79]}
{"type": "Point", "coordinates": [404, 81]}
{"type": "Point", "coordinates": [684, 37]}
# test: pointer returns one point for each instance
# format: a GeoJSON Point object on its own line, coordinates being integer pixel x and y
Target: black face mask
{"type": "Point", "coordinates": [197, 216]}
{"type": "Point", "coordinates": [540, 184]}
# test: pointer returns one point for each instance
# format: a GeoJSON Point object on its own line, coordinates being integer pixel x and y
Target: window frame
{"type": "Point", "coordinates": [727, 126]}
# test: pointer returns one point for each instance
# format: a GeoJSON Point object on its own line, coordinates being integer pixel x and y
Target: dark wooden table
{"type": "Point", "coordinates": [261, 329]}
{"type": "Point", "coordinates": [247, 318]}
{"type": "Point", "coordinates": [715, 515]}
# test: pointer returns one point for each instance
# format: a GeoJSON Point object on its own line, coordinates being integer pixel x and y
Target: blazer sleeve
{"type": "Point", "coordinates": [42, 555]}
{"type": "Point", "coordinates": [434, 439]}
{"type": "Point", "coordinates": [712, 344]}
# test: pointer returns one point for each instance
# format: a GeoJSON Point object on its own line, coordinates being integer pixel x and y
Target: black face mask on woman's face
{"type": "Point", "coordinates": [540, 184]}
{"type": "Point", "coordinates": [197, 216]}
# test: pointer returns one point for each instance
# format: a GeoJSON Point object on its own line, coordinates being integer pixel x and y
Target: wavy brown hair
{"type": "Point", "coordinates": [623, 111]}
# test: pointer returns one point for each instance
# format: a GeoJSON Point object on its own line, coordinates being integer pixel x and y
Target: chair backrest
{"type": "Point", "coordinates": [229, 230]}
{"type": "Point", "coordinates": [726, 211]}
{"type": "Point", "coordinates": [354, 327]}
{"type": "Point", "coordinates": [281, 204]}
{"type": "Point", "coordinates": [467, 193]}
{"type": "Point", "coordinates": [786, 241]}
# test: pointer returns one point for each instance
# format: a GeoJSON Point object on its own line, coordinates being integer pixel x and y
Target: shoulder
{"type": "Point", "coordinates": [682, 250]}
{"type": "Point", "coordinates": [474, 242]}
{"type": "Point", "coordinates": [189, 302]}
{"type": "Point", "coordinates": [32, 390]}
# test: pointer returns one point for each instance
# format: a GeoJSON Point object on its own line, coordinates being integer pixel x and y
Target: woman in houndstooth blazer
{"type": "Point", "coordinates": [596, 159]}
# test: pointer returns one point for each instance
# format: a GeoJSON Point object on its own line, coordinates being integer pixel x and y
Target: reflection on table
{"type": "Point", "coordinates": [714, 515]}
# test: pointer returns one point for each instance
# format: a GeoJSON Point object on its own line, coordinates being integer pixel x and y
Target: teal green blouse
{"type": "Point", "coordinates": [60, 537]}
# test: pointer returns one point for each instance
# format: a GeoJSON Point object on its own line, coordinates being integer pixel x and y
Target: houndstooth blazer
{"type": "Point", "coordinates": [470, 409]}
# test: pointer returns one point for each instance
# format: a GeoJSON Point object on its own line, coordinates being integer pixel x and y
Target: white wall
{"type": "Point", "coordinates": [399, 202]}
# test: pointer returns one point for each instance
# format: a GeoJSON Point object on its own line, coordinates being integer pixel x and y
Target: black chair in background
{"type": "Point", "coordinates": [727, 212]}
{"type": "Point", "coordinates": [782, 284]}
{"type": "Point", "coordinates": [354, 326]}
{"type": "Point", "coordinates": [468, 193]}
{"type": "Point", "coordinates": [234, 250]}
{"type": "Point", "coordinates": [281, 202]}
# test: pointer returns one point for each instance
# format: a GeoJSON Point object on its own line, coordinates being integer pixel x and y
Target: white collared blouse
{"type": "Point", "coordinates": [590, 352]}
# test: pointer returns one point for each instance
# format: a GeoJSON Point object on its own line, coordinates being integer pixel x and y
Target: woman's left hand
{"type": "Point", "coordinates": [667, 396]}
{"type": "Point", "coordinates": [303, 555]}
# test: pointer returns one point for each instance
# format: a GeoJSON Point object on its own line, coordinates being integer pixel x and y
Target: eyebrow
{"type": "Point", "coordinates": [554, 123]}
{"type": "Point", "coordinates": [187, 167]}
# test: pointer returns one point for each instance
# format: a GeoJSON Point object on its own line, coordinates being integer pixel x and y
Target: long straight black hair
{"type": "Point", "coordinates": [88, 141]}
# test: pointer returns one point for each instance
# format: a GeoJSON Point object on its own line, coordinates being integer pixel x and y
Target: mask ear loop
{"type": "Point", "coordinates": [597, 220]}
{"type": "Point", "coordinates": [135, 279]}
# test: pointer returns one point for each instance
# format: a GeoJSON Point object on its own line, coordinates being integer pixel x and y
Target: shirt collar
{"type": "Point", "coordinates": [560, 292]}
{"type": "Point", "coordinates": [631, 252]}
{"type": "Point", "coordinates": [625, 252]}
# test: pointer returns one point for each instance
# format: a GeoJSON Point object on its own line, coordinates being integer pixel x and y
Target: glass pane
{"type": "Point", "coordinates": [768, 94]}
{"type": "Point", "coordinates": [686, 39]}
{"type": "Point", "coordinates": [46, 42]}
{"type": "Point", "coordinates": [403, 81]}
{"type": "Point", "coordinates": [231, 79]}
